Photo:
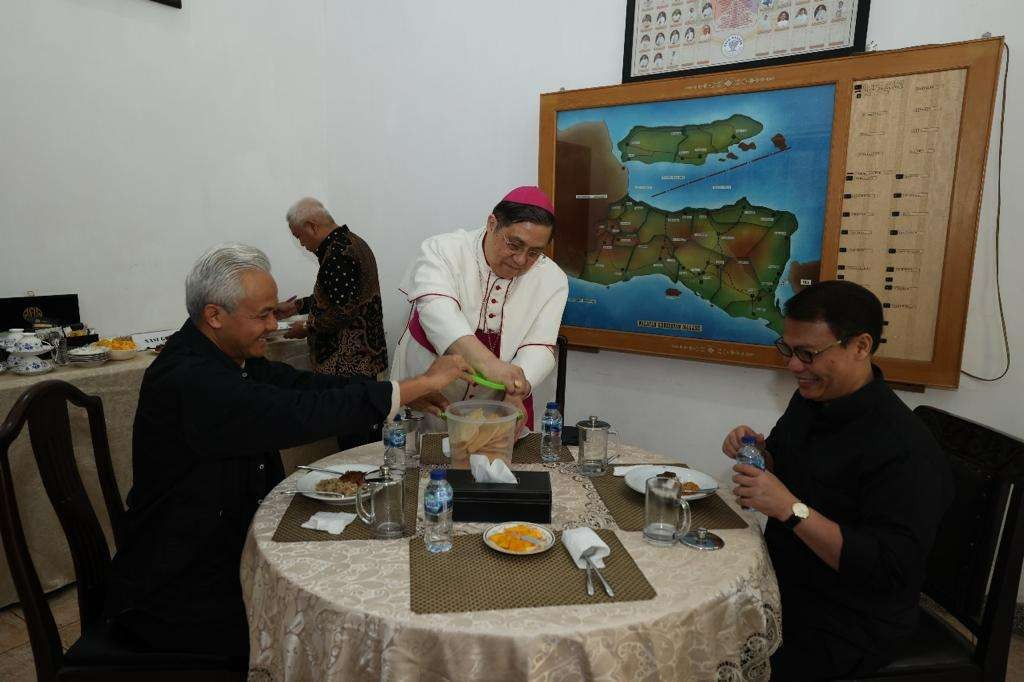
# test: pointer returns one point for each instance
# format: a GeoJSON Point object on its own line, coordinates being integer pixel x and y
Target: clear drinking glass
{"type": "Point", "coordinates": [380, 504]}
{"type": "Point", "coordinates": [598, 447]}
{"type": "Point", "coordinates": [666, 514]}
{"type": "Point", "coordinates": [413, 434]}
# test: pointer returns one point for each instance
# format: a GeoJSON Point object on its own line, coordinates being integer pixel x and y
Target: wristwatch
{"type": "Point", "coordinates": [800, 512]}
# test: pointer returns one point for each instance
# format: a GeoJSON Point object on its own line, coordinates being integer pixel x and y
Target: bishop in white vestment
{"type": "Point", "coordinates": [490, 295]}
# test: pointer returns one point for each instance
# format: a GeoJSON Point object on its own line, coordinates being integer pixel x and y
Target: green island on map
{"type": "Point", "coordinates": [690, 144]}
{"type": "Point", "coordinates": [732, 256]}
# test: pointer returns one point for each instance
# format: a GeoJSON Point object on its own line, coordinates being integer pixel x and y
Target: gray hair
{"type": "Point", "coordinates": [217, 277]}
{"type": "Point", "coordinates": [308, 209]}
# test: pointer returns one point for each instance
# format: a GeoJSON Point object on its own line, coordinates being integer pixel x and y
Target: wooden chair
{"type": "Point", "coordinates": [975, 565]}
{"type": "Point", "coordinates": [98, 654]}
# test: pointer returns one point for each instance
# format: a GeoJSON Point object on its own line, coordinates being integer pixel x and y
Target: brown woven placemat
{"type": "Point", "coordinates": [289, 528]}
{"type": "Point", "coordinates": [627, 506]}
{"type": "Point", "coordinates": [474, 577]}
{"type": "Point", "coordinates": [526, 450]}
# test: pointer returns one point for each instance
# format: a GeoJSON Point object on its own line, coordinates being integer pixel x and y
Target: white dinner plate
{"type": "Point", "coordinates": [546, 543]}
{"type": "Point", "coordinates": [307, 484]}
{"type": "Point", "coordinates": [637, 478]}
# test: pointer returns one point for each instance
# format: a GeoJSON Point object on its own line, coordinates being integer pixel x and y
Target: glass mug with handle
{"type": "Point", "coordinates": [386, 496]}
{"type": "Point", "coordinates": [666, 513]}
{"type": "Point", "coordinates": [597, 440]}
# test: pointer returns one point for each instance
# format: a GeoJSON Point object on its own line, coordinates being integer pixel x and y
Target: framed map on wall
{"type": "Point", "coordinates": [691, 209]}
{"type": "Point", "coordinates": [672, 37]}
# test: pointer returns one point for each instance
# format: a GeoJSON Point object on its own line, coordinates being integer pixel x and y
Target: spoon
{"type": "Point", "coordinates": [607, 587]}
{"type": "Point", "coordinates": [532, 540]}
{"type": "Point", "coordinates": [587, 553]}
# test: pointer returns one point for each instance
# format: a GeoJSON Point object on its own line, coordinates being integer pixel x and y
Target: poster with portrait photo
{"type": "Point", "coordinates": [695, 36]}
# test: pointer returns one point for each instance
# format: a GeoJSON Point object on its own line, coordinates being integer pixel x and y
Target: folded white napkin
{"type": "Point", "coordinates": [332, 522]}
{"type": "Point", "coordinates": [485, 471]}
{"type": "Point", "coordinates": [446, 447]}
{"type": "Point", "coordinates": [622, 471]}
{"type": "Point", "coordinates": [578, 540]}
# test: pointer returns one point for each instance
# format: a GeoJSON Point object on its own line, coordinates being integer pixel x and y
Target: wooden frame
{"type": "Point", "coordinates": [859, 42]}
{"type": "Point", "coordinates": [980, 59]}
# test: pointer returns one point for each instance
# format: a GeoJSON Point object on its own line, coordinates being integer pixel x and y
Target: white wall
{"type": "Point", "coordinates": [432, 115]}
{"type": "Point", "coordinates": [135, 135]}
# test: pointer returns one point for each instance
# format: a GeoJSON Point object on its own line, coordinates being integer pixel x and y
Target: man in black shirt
{"type": "Point", "coordinates": [212, 415]}
{"type": "Point", "coordinates": [854, 490]}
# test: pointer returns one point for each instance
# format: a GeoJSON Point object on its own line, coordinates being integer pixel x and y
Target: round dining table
{"type": "Point", "coordinates": [325, 611]}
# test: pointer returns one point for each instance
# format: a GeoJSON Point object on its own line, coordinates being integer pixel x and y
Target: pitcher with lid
{"type": "Point", "coordinates": [386, 495]}
{"type": "Point", "coordinates": [598, 444]}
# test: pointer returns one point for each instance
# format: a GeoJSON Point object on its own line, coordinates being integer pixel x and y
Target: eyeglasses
{"type": "Point", "coordinates": [518, 249]}
{"type": "Point", "coordinates": [802, 354]}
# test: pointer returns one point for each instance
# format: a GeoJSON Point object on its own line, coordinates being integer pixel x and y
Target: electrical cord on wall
{"type": "Point", "coordinates": [999, 213]}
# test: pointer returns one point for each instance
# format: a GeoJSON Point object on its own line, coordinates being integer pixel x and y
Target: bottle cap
{"type": "Point", "coordinates": [438, 475]}
{"type": "Point", "coordinates": [552, 405]}
{"type": "Point", "coordinates": [748, 440]}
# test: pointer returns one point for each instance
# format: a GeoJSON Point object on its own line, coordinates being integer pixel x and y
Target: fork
{"type": "Point", "coordinates": [330, 471]}
{"type": "Point", "coordinates": [587, 553]}
{"type": "Point", "coordinates": [591, 565]}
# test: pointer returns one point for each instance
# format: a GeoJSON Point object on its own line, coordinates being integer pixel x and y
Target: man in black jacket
{"type": "Point", "coordinates": [855, 488]}
{"type": "Point", "coordinates": [212, 415]}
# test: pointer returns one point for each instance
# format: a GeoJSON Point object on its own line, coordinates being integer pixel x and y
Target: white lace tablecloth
{"type": "Point", "coordinates": [323, 611]}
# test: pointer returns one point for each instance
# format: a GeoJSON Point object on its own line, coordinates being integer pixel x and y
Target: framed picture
{"type": "Point", "coordinates": [681, 37]}
{"type": "Point", "coordinates": [690, 210]}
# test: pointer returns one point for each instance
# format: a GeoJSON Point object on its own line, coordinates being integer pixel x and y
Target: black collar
{"type": "Point", "coordinates": [191, 338]}
{"type": "Point", "coordinates": [855, 405]}
{"type": "Point", "coordinates": [334, 235]}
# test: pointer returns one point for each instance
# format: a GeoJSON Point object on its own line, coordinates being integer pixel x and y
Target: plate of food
{"type": "Point", "coordinates": [339, 488]}
{"type": "Point", "coordinates": [519, 538]}
{"type": "Point", "coordinates": [691, 479]}
{"type": "Point", "coordinates": [120, 347]}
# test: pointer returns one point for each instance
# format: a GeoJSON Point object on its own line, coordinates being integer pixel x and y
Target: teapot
{"type": "Point", "coordinates": [596, 441]}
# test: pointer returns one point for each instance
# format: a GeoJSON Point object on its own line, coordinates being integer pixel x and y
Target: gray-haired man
{"type": "Point", "coordinates": [212, 415]}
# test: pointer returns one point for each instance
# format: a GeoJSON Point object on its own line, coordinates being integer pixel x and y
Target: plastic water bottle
{"type": "Point", "coordinates": [394, 443]}
{"type": "Point", "coordinates": [551, 434]}
{"type": "Point", "coordinates": [437, 512]}
{"type": "Point", "coordinates": [750, 454]}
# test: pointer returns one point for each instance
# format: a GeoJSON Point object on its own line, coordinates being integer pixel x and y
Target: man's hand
{"type": "Point", "coordinates": [512, 376]}
{"type": "Point", "coordinates": [517, 402]}
{"type": "Point", "coordinates": [762, 491]}
{"type": "Point", "coordinates": [734, 440]}
{"type": "Point", "coordinates": [445, 370]}
{"type": "Point", "coordinates": [434, 403]}
{"type": "Point", "coordinates": [288, 308]}
{"type": "Point", "coordinates": [297, 330]}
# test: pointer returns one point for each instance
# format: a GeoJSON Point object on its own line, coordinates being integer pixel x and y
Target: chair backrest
{"type": "Point", "coordinates": [975, 564]}
{"type": "Point", "coordinates": [44, 406]}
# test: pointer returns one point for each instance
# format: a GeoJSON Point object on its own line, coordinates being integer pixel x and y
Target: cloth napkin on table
{"type": "Point", "coordinates": [486, 471]}
{"type": "Point", "coordinates": [332, 522]}
{"type": "Point", "coordinates": [579, 540]}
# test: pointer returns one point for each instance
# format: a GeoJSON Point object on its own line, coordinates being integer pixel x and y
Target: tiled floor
{"type": "Point", "coordinates": [16, 654]}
